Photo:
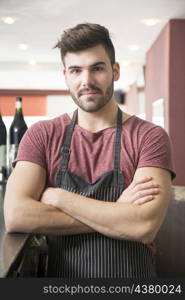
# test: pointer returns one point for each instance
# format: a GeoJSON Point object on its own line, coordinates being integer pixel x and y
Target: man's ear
{"type": "Point", "coordinates": [116, 71]}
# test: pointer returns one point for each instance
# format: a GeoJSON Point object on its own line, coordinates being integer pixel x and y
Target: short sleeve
{"type": "Point", "coordinates": [32, 146]}
{"type": "Point", "coordinates": [156, 150]}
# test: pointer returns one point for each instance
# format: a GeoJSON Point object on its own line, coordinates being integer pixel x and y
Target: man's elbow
{"type": "Point", "coordinates": [13, 220]}
{"type": "Point", "coordinates": [9, 228]}
{"type": "Point", "coordinates": [145, 233]}
{"type": "Point", "coordinates": [10, 223]}
{"type": "Point", "coordinates": [148, 238]}
{"type": "Point", "coordinates": [149, 233]}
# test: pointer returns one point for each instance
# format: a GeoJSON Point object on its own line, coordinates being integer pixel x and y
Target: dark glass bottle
{"type": "Point", "coordinates": [3, 148]}
{"type": "Point", "coordinates": [17, 130]}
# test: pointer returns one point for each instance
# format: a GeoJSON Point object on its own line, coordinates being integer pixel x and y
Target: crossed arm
{"type": "Point", "coordinates": [137, 215]}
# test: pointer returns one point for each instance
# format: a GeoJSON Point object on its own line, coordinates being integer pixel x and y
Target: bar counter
{"type": "Point", "coordinates": [11, 244]}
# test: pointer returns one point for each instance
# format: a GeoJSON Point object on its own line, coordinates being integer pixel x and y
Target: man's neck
{"type": "Point", "coordinates": [96, 121]}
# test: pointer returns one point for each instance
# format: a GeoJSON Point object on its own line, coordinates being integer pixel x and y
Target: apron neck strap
{"type": "Point", "coordinates": [65, 150]}
{"type": "Point", "coordinates": [117, 145]}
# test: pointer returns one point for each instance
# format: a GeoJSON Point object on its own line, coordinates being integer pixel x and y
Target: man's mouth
{"type": "Point", "coordinates": [89, 93]}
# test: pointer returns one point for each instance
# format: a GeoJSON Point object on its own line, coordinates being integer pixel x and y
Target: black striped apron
{"type": "Point", "coordinates": [94, 255]}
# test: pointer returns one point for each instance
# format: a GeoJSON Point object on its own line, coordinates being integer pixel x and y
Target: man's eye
{"type": "Point", "coordinates": [97, 69]}
{"type": "Point", "coordinates": [75, 71]}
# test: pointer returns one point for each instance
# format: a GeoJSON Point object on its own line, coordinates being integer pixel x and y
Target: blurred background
{"type": "Point", "coordinates": [149, 39]}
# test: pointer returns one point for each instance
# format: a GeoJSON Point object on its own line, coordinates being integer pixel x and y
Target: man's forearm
{"type": "Point", "coordinates": [117, 220]}
{"type": "Point", "coordinates": [32, 216]}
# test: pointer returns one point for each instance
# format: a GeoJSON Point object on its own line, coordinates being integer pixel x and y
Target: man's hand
{"type": "Point", "coordinates": [140, 191]}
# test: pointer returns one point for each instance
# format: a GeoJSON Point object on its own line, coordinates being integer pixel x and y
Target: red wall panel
{"type": "Point", "coordinates": [32, 105]}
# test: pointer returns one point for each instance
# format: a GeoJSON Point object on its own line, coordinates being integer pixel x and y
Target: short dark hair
{"type": "Point", "coordinates": [84, 36]}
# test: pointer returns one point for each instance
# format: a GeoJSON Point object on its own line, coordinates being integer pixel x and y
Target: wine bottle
{"type": "Point", "coordinates": [16, 132]}
{"type": "Point", "coordinates": [3, 147]}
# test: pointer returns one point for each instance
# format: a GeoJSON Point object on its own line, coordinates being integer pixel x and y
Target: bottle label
{"type": "Point", "coordinates": [12, 154]}
{"type": "Point", "coordinates": [2, 155]}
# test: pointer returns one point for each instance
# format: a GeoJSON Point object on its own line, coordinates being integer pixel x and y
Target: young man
{"type": "Point", "coordinates": [96, 182]}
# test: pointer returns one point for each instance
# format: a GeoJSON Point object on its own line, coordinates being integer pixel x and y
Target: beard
{"type": "Point", "coordinates": [93, 104]}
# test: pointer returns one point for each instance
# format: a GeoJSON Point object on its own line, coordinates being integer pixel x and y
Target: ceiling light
{"type": "Point", "coordinates": [134, 47]}
{"type": "Point", "coordinates": [8, 20]}
{"type": "Point", "coordinates": [32, 62]}
{"type": "Point", "coordinates": [150, 22]}
{"type": "Point", "coordinates": [23, 47]}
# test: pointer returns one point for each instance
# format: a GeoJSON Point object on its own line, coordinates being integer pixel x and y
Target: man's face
{"type": "Point", "coordinates": [90, 77]}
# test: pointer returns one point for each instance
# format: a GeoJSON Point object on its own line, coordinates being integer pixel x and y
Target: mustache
{"type": "Point", "coordinates": [90, 89]}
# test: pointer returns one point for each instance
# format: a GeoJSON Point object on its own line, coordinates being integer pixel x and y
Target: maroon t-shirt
{"type": "Point", "coordinates": [143, 144]}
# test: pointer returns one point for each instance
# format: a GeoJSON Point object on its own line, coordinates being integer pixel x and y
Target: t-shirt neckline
{"type": "Point", "coordinates": [105, 130]}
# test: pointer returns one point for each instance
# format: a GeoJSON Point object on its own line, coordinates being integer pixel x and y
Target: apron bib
{"type": "Point", "coordinates": [94, 255]}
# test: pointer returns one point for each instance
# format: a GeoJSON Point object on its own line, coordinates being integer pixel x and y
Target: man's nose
{"type": "Point", "coordinates": [86, 78]}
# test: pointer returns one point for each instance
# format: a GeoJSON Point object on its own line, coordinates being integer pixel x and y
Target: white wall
{"type": "Point", "coordinates": [57, 105]}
